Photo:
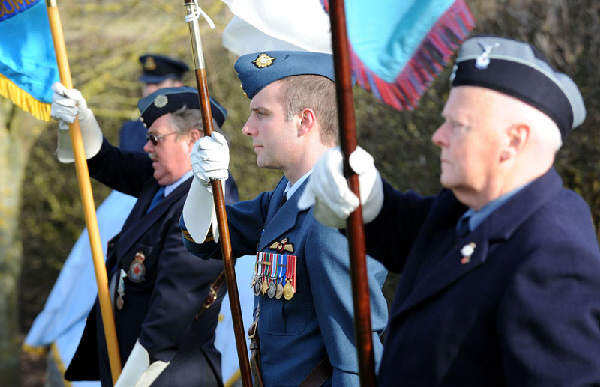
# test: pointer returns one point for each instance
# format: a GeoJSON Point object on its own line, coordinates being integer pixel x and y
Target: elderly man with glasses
{"type": "Point", "coordinates": [156, 285]}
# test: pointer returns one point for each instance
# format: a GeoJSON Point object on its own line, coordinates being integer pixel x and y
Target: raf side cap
{"type": "Point", "coordinates": [158, 68]}
{"type": "Point", "coordinates": [170, 99]}
{"type": "Point", "coordinates": [258, 70]}
{"type": "Point", "coordinates": [520, 70]}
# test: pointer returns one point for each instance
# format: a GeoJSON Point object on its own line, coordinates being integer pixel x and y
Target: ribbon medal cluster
{"type": "Point", "coordinates": [275, 274]}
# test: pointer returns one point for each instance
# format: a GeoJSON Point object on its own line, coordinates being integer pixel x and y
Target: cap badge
{"type": "Point", "coordinates": [263, 60]}
{"type": "Point", "coordinates": [150, 64]}
{"type": "Point", "coordinates": [466, 252]}
{"type": "Point", "coordinates": [483, 61]}
{"type": "Point", "coordinates": [161, 101]}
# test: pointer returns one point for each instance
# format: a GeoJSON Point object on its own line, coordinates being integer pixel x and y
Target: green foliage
{"type": "Point", "coordinates": [105, 38]}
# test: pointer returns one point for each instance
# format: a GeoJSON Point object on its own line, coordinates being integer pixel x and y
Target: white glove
{"type": "Point", "coordinates": [138, 369]}
{"type": "Point", "coordinates": [327, 188]}
{"type": "Point", "coordinates": [199, 211]}
{"type": "Point", "coordinates": [66, 106]}
{"type": "Point", "coordinates": [210, 158]}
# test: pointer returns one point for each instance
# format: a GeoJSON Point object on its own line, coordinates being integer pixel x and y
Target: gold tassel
{"type": "Point", "coordinates": [38, 109]}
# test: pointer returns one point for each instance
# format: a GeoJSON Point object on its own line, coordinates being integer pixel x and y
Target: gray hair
{"type": "Point", "coordinates": [184, 120]}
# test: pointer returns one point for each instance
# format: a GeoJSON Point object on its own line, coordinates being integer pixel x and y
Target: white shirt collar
{"type": "Point", "coordinates": [290, 189]}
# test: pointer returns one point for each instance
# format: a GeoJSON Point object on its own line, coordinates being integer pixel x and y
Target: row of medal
{"type": "Point", "coordinates": [274, 275]}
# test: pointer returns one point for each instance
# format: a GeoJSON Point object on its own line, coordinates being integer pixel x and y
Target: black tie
{"type": "Point", "coordinates": [283, 200]}
{"type": "Point", "coordinates": [462, 228]}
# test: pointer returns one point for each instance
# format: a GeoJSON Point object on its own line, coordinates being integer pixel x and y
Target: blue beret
{"type": "Point", "coordinates": [157, 68]}
{"type": "Point", "coordinates": [260, 69]}
{"type": "Point", "coordinates": [520, 70]}
{"type": "Point", "coordinates": [171, 99]}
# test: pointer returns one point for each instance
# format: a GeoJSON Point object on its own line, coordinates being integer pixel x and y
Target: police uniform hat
{"type": "Point", "coordinates": [158, 68]}
{"type": "Point", "coordinates": [520, 70]}
{"type": "Point", "coordinates": [258, 70]}
{"type": "Point", "coordinates": [171, 99]}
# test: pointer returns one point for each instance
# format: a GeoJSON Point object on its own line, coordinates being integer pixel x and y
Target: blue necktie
{"type": "Point", "coordinates": [160, 194]}
{"type": "Point", "coordinates": [462, 228]}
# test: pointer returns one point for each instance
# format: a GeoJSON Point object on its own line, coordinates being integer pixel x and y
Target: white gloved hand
{"type": "Point", "coordinates": [66, 106]}
{"type": "Point", "coordinates": [199, 212]}
{"type": "Point", "coordinates": [210, 158]}
{"type": "Point", "coordinates": [138, 369]}
{"type": "Point", "coordinates": [327, 188]}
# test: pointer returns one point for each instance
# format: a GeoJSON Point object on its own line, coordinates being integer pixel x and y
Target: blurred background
{"type": "Point", "coordinates": [40, 207]}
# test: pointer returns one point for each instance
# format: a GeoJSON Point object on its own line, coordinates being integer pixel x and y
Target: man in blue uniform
{"type": "Point", "coordinates": [157, 286]}
{"type": "Point", "coordinates": [158, 71]}
{"type": "Point", "coordinates": [303, 316]}
{"type": "Point", "coordinates": [500, 270]}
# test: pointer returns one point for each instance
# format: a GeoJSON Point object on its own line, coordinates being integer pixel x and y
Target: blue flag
{"type": "Point", "coordinates": [60, 325]}
{"type": "Point", "coordinates": [397, 47]}
{"type": "Point", "coordinates": [27, 59]}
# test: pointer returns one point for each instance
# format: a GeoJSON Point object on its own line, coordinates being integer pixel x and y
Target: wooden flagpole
{"type": "Point", "coordinates": [85, 188]}
{"type": "Point", "coordinates": [355, 229]}
{"type": "Point", "coordinates": [219, 198]}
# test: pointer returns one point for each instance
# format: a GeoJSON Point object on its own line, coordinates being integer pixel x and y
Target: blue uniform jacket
{"type": "Point", "coordinates": [132, 136]}
{"type": "Point", "coordinates": [522, 310]}
{"type": "Point", "coordinates": [160, 309]}
{"type": "Point", "coordinates": [296, 335]}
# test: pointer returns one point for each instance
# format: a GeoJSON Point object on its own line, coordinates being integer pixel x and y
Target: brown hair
{"type": "Point", "coordinates": [314, 92]}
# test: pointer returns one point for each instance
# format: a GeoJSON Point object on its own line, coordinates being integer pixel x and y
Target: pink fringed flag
{"type": "Point", "coordinates": [399, 47]}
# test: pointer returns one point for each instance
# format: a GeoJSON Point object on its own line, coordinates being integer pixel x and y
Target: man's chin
{"type": "Point", "coordinates": [158, 178]}
{"type": "Point", "coordinates": [447, 182]}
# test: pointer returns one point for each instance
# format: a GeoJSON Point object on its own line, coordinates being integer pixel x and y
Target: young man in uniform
{"type": "Point", "coordinates": [303, 318]}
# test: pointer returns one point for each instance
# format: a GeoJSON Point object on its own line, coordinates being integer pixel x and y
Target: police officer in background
{"type": "Point", "coordinates": [501, 269]}
{"type": "Point", "coordinates": [303, 312]}
{"type": "Point", "coordinates": [158, 71]}
{"type": "Point", "coordinates": [157, 286]}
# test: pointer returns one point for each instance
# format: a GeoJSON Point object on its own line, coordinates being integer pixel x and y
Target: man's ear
{"type": "Point", "coordinates": [307, 120]}
{"type": "Point", "coordinates": [195, 135]}
{"type": "Point", "coordinates": [518, 136]}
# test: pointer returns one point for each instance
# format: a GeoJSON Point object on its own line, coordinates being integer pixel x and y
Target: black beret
{"type": "Point", "coordinates": [171, 99]}
{"type": "Point", "coordinates": [157, 68]}
{"type": "Point", "coordinates": [520, 70]}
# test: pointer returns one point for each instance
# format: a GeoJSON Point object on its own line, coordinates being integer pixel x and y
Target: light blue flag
{"type": "Point", "coordinates": [61, 322]}
{"type": "Point", "coordinates": [27, 59]}
{"type": "Point", "coordinates": [397, 48]}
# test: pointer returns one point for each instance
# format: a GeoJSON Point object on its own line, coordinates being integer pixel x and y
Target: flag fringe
{"type": "Point", "coordinates": [426, 64]}
{"type": "Point", "coordinates": [35, 351]}
{"type": "Point", "coordinates": [59, 363]}
{"type": "Point", "coordinates": [24, 100]}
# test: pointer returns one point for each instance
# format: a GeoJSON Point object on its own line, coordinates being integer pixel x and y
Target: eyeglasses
{"type": "Point", "coordinates": [153, 138]}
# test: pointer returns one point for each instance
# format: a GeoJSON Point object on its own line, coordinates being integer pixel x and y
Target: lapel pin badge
{"type": "Point", "coordinates": [466, 252]}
